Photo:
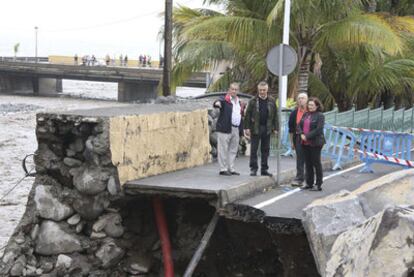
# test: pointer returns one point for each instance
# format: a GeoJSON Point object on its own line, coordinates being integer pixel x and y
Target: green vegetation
{"type": "Point", "coordinates": [350, 51]}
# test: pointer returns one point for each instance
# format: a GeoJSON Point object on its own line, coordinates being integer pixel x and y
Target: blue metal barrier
{"type": "Point", "coordinates": [286, 143]}
{"type": "Point", "coordinates": [386, 144]}
{"type": "Point", "coordinates": [339, 145]}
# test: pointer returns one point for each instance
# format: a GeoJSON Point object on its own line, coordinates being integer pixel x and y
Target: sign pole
{"type": "Point", "coordinates": [282, 84]}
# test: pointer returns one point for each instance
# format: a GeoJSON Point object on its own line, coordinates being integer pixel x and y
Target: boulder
{"type": "Point", "coordinates": [382, 246]}
{"type": "Point", "coordinates": [74, 220]}
{"type": "Point", "coordinates": [46, 159]}
{"type": "Point", "coordinates": [90, 207]}
{"type": "Point", "coordinates": [53, 240]}
{"type": "Point", "coordinates": [49, 206]}
{"type": "Point", "coordinates": [63, 261]}
{"type": "Point", "coordinates": [77, 145]}
{"type": "Point", "coordinates": [138, 263]}
{"type": "Point", "coordinates": [91, 180]}
{"type": "Point", "coordinates": [18, 267]}
{"type": "Point", "coordinates": [109, 254]}
{"type": "Point", "coordinates": [71, 162]}
{"type": "Point", "coordinates": [325, 219]}
{"type": "Point", "coordinates": [111, 224]}
{"type": "Point", "coordinates": [113, 186]}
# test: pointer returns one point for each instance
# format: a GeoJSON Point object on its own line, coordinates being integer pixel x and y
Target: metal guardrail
{"type": "Point", "coordinates": [401, 120]}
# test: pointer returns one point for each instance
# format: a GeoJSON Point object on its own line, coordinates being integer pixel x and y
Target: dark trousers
{"type": "Point", "coordinates": [313, 164]}
{"type": "Point", "coordinates": [300, 158]}
{"type": "Point", "coordinates": [264, 139]}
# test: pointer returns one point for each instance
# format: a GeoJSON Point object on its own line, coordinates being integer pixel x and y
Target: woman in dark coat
{"type": "Point", "coordinates": [310, 129]}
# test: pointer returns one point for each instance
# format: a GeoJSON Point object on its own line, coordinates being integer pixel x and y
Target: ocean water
{"type": "Point", "coordinates": [109, 91]}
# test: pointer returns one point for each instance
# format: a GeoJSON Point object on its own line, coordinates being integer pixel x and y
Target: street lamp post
{"type": "Point", "coordinates": [167, 48]}
{"type": "Point", "coordinates": [36, 28]}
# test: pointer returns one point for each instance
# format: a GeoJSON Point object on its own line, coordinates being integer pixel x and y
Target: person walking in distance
{"type": "Point", "coordinates": [310, 129]}
{"type": "Point", "coordinates": [228, 129]}
{"type": "Point", "coordinates": [295, 139]}
{"type": "Point", "coordinates": [259, 122]}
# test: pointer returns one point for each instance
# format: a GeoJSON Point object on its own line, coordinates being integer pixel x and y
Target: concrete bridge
{"type": "Point", "coordinates": [133, 83]}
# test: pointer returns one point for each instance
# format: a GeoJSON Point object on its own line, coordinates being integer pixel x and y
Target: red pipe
{"type": "Point", "coordinates": [164, 237]}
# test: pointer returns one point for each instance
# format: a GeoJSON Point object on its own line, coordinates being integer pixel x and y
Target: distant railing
{"type": "Point", "coordinates": [25, 59]}
{"type": "Point", "coordinates": [401, 120]}
{"type": "Point", "coordinates": [390, 119]}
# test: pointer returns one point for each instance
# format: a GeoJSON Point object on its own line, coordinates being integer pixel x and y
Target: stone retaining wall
{"type": "Point", "coordinates": [78, 222]}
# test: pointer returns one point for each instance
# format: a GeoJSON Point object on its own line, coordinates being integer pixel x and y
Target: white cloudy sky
{"type": "Point", "coordinates": [83, 26]}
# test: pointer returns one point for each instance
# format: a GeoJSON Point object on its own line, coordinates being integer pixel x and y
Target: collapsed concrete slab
{"type": "Point", "coordinates": [327, 219]}
{"type": "Point", "coordinates": [381, 246]}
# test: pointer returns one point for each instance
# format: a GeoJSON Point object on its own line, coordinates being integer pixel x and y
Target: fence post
{"type": "Point", "coordinates": [402, 125]}
{"type": "Point", "coordinates": [393, 123]}
{"type": "Point", "coordinates": [382, 116]}
{"type": "Point", "coordinates": [412, 117]}
{"type": "Point", "coordinates": [369, 117]}
{"type": "Point", "coordinates": [336, 112]}
{"type": "Point", "coordinates": [353, 115]}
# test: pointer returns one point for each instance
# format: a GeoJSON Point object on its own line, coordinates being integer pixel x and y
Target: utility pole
{"type": "Point", "coordinates": [166, 86]}
{"type": "Point", "coordinates": [36, 28]}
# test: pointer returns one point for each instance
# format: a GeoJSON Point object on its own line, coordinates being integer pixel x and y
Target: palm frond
{"type": "Point", "coordinates": [364, 29]}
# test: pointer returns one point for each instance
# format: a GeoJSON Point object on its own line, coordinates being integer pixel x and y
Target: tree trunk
{"type": "Point", "coordinates": [304, 66]}
{"type": "Point", "coordinates": [372, 6]}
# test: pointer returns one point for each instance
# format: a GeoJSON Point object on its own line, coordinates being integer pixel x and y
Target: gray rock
{"type": "Point", "coordinates": [382, 246]}
{"type": "Point", "coordinates": [213, 139]}
{"type": "Point", "coordinates": [46, 267]}
{"type": "Point", "coordinates": [29, 271]}
{"type": "Point", "coordinates": [109, 254]}
{"type": "Point", "coordinates": [49, 206]}
{"type": "Point", "coordinates": [90, 207]}
{"type": "Point", "coordinates": [70, 153]}
{"type": "Point", "coordinates": [20, 238]}
{"type": "Point", "coordinates": [91, 180]}
{"type": "Point", "coordinates": [81, 265]}
{"type": "Point", "coordinates": [113, 186]}
{"type": "Point", "coordinates": [98, 144]}
{"type": "Point", "coordinates": [35, 232]}
{"type": "Point", "coordinates": [46, 159]}
{"type": "Point", "coordinates": [111, 224]}
{"type": "Point", "coordinates": [74, 220]}
{"type": "Point", "coordinates": [63, 261]}
{"type": "Point", "coordinates": [53, 240]}
{"type": "Point", "coordinates": [79, 227]}
{"type": "Point", "coordinates": [71, 162]}
{"type": "Point", "coordinates": [77, 145]}
{"type": "Point", "coordinates": [18, 267]}
{"type": "Point", "coordinates": [98, 235]}
{"type": "Point", "coordinates": [325, 220]}
{"type": "Point", "coordinates": [138, 263]}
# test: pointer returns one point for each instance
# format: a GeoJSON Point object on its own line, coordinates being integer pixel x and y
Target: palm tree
{"type": "Point", "coordinates": [243, 34]}
{"type": "Point", "coordinates": [16, 49]}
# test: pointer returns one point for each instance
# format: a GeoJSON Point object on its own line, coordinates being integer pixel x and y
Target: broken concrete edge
{"type": "Point", "coordinates": [373, 184]}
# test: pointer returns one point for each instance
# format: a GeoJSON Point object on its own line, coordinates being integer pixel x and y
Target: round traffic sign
{"type": "Point", "coordinates": [290, 59]}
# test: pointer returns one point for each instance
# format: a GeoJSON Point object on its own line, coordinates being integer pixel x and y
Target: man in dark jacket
{"type": "Point", "coordinates": [227, 128]}
{"type": "Point", "coordinates": [259, 122]}
{"type": "Point", "coordinates": [294, 120]}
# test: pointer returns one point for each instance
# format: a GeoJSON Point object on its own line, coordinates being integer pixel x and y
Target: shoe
{"type": "Point", "coordinates": [225, 173]}
{"type": "Point", "coordinates": [297, 183]}
{"type": "Point", "coordinates": [307, 187]}
{"type": "Point", "coordinates": [253, 173]}
{"type": "Point", "coordinates": [317, 188]}
{"type": "Point", "coordinates": [234, 173]}
{"type": "Point", "coordinates": [266, 173]}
